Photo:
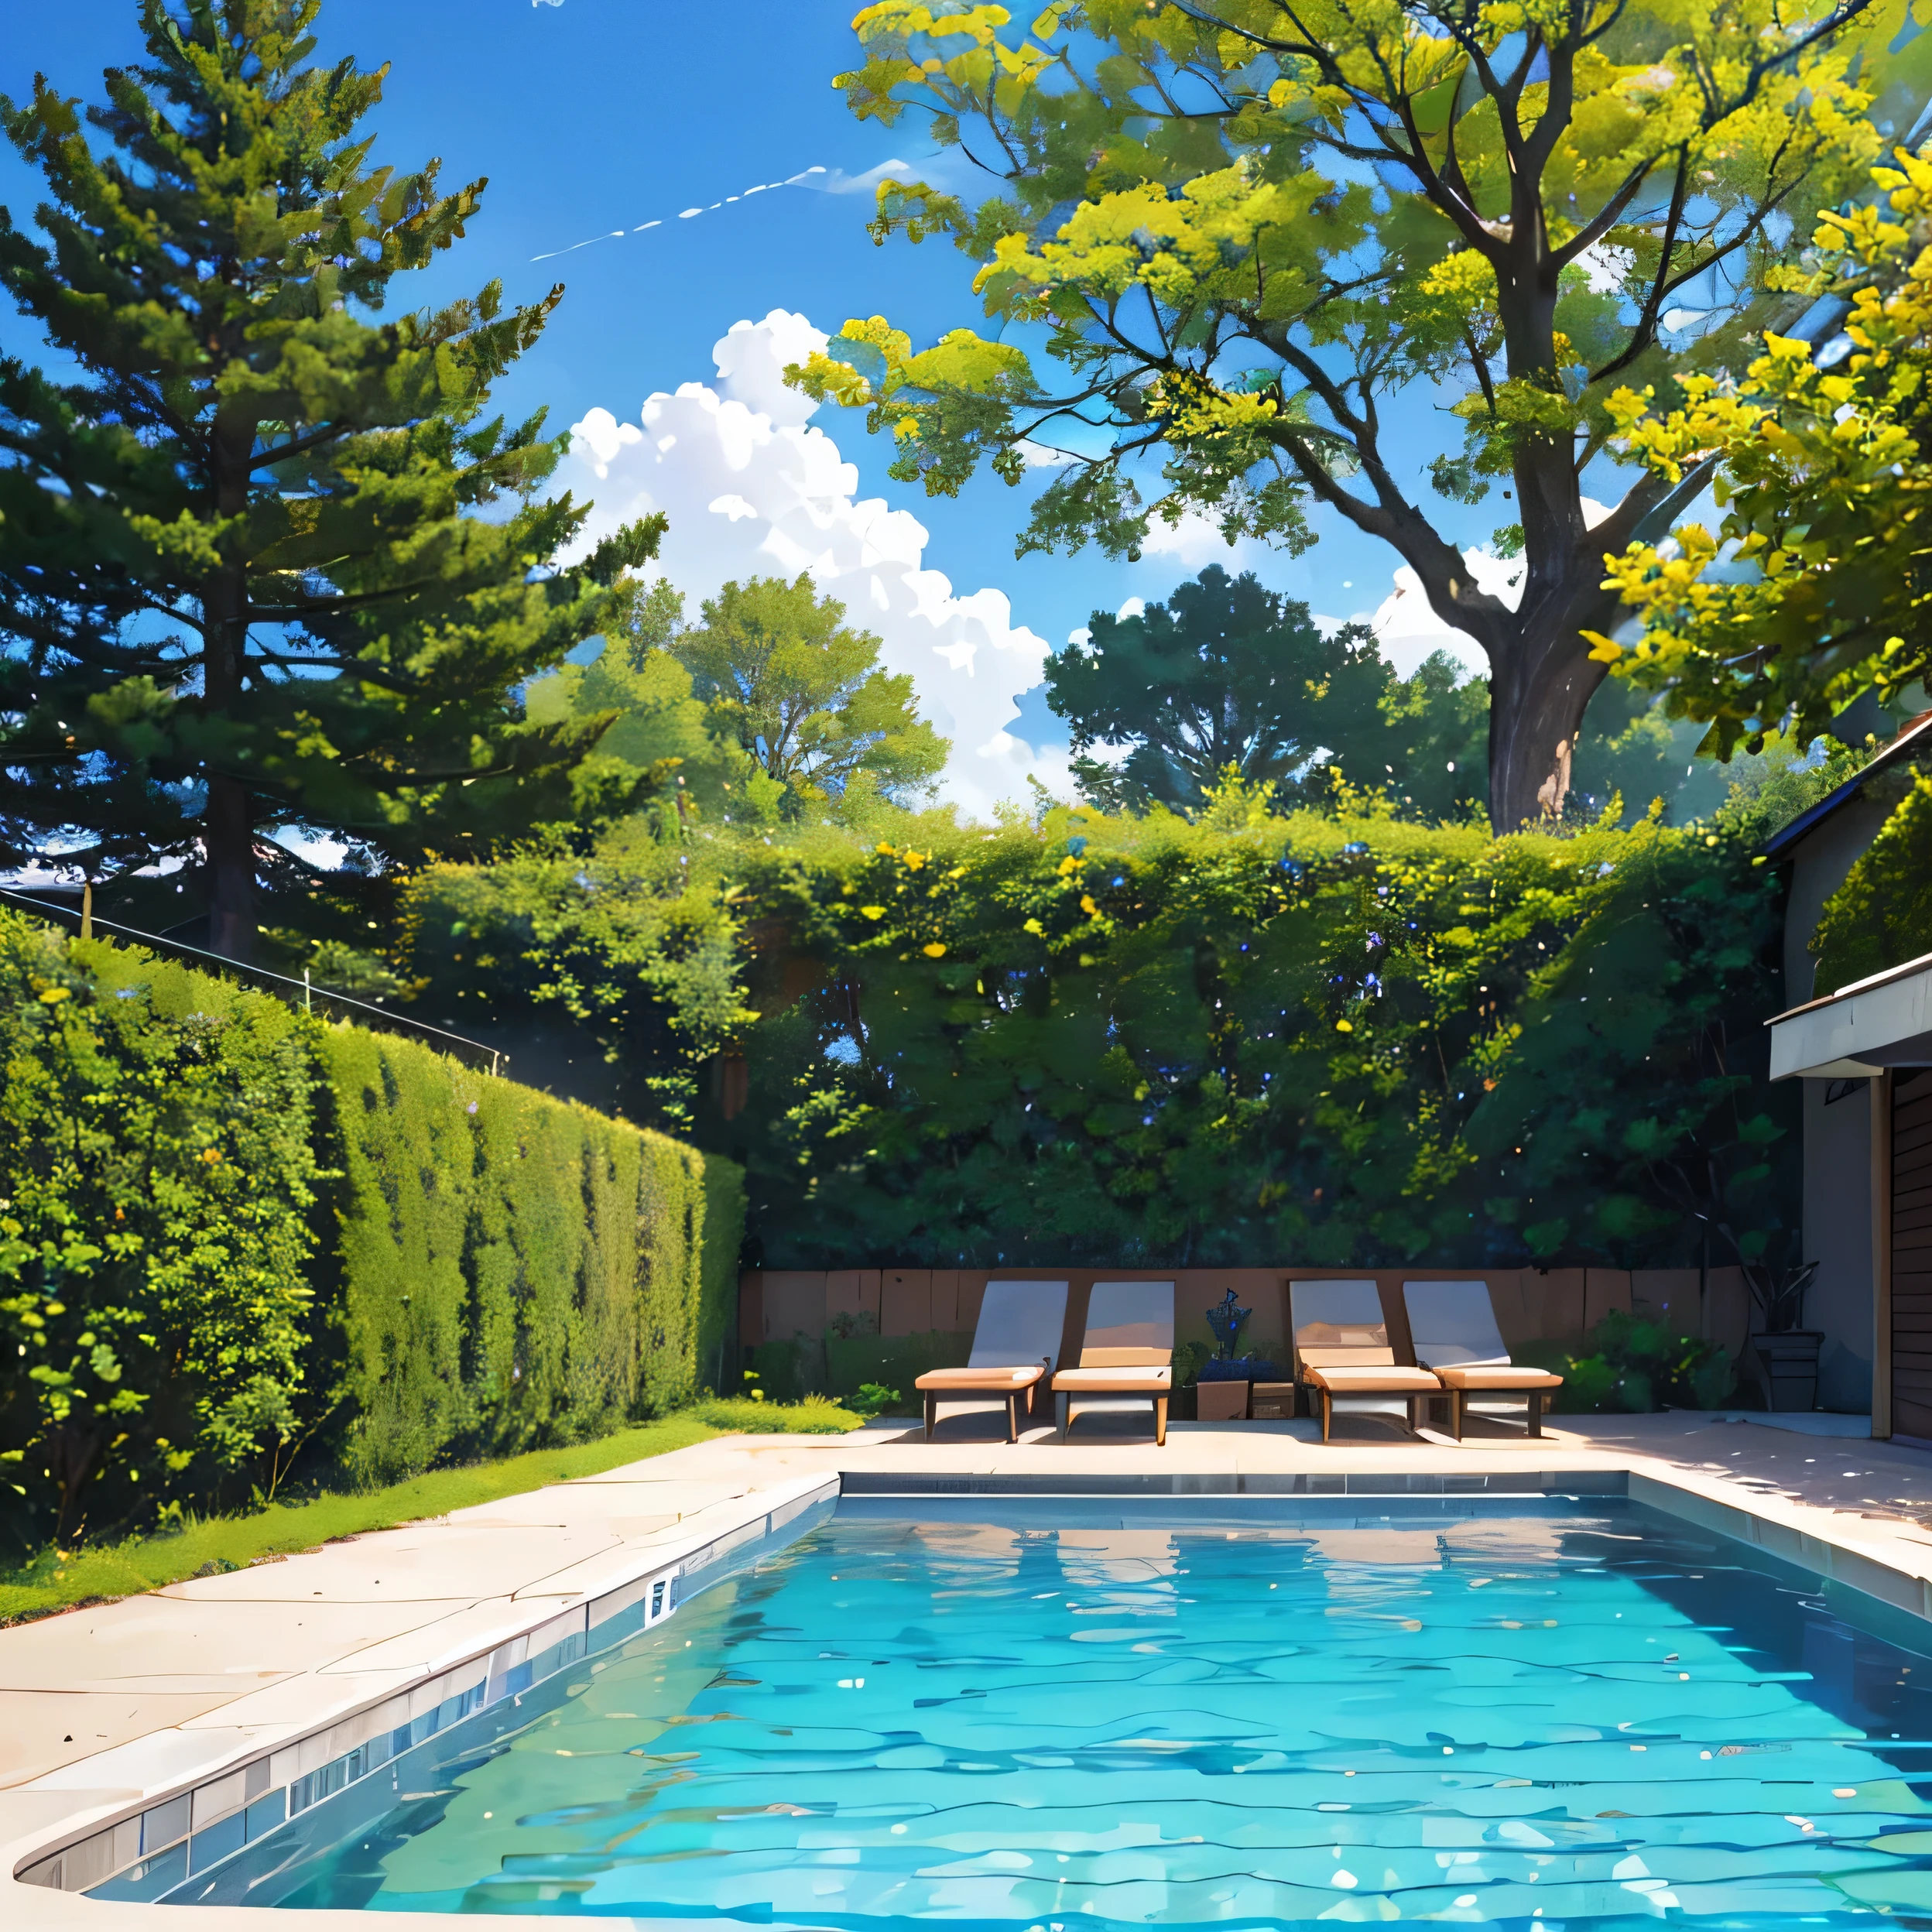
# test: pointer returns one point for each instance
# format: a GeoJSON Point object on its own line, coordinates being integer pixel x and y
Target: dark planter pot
{"type": "Point", "coordinates": [1790, 1365]}
{"type": "Point", "coordinates": [1238, 1369]}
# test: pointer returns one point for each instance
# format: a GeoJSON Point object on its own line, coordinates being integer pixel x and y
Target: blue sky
{"type": "Point", "coordinates": [596, 115]}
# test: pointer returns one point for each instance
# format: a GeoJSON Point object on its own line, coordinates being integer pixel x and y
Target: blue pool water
{"type": "Point", "coordinates": [1050, 1715]}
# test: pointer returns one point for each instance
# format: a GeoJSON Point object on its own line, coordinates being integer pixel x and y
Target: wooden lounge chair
{"type": "Point", "coordinates": [1127, 1350]}
{"type": "Point", "coordinates": [1341, 1348]}
{"type": "Point", "coordinates": [1453, 1324]}
{"type": "Point", "coordinates": [1016, 1343]}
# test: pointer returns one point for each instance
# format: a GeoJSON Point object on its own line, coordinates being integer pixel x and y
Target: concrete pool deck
{"type": "Point", "coordinates": [108, 1710]}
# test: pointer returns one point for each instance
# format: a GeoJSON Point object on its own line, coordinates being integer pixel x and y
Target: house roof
{"type": "Point", "coordinates": [1914, 741]}
{"type": "Point", "coordinates": [1861, 1030]}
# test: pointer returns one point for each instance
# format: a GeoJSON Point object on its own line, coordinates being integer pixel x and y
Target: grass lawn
{"type": "Point", "coordinates": [57, 1580]}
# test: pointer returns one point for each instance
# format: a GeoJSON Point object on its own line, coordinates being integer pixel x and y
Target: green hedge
{"type": "Point", "coordinates": [231, 1235]}
{"type": "Point", "coordinates": [158, 1192]}
{"type": "Point", "coordinates": [517, 1270]}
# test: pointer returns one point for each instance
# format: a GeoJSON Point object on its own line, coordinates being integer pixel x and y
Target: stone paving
{"type": "Point", "coordinates": [104, 1707]}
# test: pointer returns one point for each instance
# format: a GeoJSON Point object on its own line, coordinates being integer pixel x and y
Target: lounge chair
{"type": "Point", "coordinates": [1341, 1348]}
{"type": "Point", "coordinates": [1454, 1326]}
{"type": "Point", "coordinates": [1016, 1343]}
{"type": "Point", "coordinates": [1127, 1350]}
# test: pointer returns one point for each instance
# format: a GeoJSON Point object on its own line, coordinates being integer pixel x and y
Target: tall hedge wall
{"type": "Point", "coordinates": [515, 1268]}
{"type": "Point", "coordinates": [233, 1238]}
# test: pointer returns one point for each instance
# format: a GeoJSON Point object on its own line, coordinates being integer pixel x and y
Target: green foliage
{"type": "Point", "coordinates": [802, 698]}
{"type": "Point", "coordinates": [1226, 675]}
{"type": "Point", "coordinates": [1190, 1358]}
{"type": "Point", "coordinates": [1220, 240]}
{"type": "Point", "coordinates": [266, 562]}
{"type": "Point", "coordinates": [852, 1365]}
{"type": "Point", "coordinates": [635, 944]}
{"type": "Point", "coordinates": [1811, 592]}
{"type": "Point", "coordinates": [156, 1176]}
{"type": "Point", "coordinates": [1158, 1040]}
{"type": "Point", "coordinates": [656, 735]}
{"type": "Point", "coordinates": [1882, 915]}
{"type": "Point", "coordinates": [813, 1415]}
{"type": "Point", "coordinates": [227, 1232]}
{"type": "Point", "coordinates": [1433, 752]}
{"type": "Point", "coordinates": [873, 1398]}
{"type": "Point", "coordinates": [1636, 1367]}
{"type": "Point", "coordinates": [1631, 1100]}
{"type": "Point", "coordinates": [516, 1270]}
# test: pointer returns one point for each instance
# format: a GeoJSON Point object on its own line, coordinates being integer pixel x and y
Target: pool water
{"type": "Point", "coordinates": [1059, 1714]}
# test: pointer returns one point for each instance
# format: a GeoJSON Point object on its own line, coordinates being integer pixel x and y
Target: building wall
{"type": "Point", "coordinates": [1837, 1235]}
{"type": "Point", "coordinates": [1837, 1137]}
{"type": "Point", "coordinates": [1819, 863]}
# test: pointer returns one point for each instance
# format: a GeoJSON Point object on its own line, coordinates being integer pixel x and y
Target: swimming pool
{"type": "Point", "coordinates": [1060, 1713]}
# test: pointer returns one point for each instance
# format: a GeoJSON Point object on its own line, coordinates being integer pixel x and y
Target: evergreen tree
{"type": "Point", "coordinates": [245, 587]}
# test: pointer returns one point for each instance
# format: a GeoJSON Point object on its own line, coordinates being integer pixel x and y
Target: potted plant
{"type": "Point", "coordinates": [1787, 1352]}
{"type": "Point", "coordinates": [1226, 1319]}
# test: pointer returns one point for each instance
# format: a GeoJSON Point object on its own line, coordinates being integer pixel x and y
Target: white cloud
{"type": "Point", "coordinates": [777, 498]}
{"type": "Point", "coordinates": [839, 181]}
{"type": "Point", "coordinates": [1405, 624]}
{"type": "Point", "coordinates": [1195, 540]}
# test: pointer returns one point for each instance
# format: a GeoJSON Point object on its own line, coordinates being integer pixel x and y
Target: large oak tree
{"type": "Point", "coordinates": [1222, 238]}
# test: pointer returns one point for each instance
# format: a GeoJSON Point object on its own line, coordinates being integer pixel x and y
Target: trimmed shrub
{"type": "Point", "coordinates": [157, 1176]}
{"type": "Point", "coordinates": [517, 1270]}
{"type": "Point", "coordinates": [225, 1227]}
{"type": "Point", "coordinates": [1628, 1365]}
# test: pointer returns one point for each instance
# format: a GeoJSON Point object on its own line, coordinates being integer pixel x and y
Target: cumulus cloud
{"type": "Point", "coordinates": [1194, 542]}
{"type": "Point", "coordinates": [751, 489]}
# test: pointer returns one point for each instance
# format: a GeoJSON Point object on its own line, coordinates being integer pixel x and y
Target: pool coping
{"type": "Point", "coordinates": [86, 1819]}
{"type": "Point", "coordinates": [52, 1866]}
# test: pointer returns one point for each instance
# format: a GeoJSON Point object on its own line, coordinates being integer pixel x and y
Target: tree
{"type": "Point", "coordinates": [658, 734]}
{"type": "Point", "coordinates": [244, 585]}
{"type": "Point", "coordinates": [1812, 591]}
{"type": "Point", "coordinates": [1240, 226]}
{"type": "Point", "coordinates": [803, 696]}
{"type": "Point", "coordinates": [1438, 733]}
{"type": "Point", "coordinates": [1881, 915]}
{"type": "Point", "coordinates": [1226, 676]}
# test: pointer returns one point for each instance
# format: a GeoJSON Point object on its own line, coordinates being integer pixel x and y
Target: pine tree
{"type": "Point", "coordinates": [266, 567]}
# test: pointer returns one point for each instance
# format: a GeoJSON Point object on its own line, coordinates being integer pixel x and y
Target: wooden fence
{"type": "Point", "coordinates": [1531, 1304]}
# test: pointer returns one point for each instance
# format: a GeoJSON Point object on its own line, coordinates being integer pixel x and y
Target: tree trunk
{"type": "Point", "coordinates": [228, 835]}
{"type": "Point", "coordinates": [1540, 684]}
{"type": "Point", "coordinates": [229, 840]}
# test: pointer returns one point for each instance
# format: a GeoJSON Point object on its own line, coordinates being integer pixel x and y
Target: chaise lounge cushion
{"type": "Point", "coordinates": [1380, 1379]}
{"type": "Point", "coordinates": [1145, 1380]}
{"type": "Point", "coordinates": [1498, 1374]}
{"type": "Point", "coordinates": [999, 1378]}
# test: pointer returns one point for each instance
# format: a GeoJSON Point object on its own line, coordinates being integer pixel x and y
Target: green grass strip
{"type": "Point", "coordinates": [57, 1580]}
